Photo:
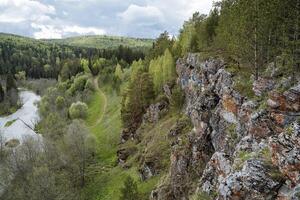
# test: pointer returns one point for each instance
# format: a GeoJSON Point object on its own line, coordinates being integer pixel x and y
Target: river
{"type": "Point", "coordinates": [26, 116]}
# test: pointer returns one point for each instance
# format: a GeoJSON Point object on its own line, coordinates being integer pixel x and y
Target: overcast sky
{"type": "Point", "coordinates": [63, 18]}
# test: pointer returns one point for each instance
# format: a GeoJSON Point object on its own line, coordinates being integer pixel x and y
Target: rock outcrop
{"type": "Point", "coordinates": [238, 148]}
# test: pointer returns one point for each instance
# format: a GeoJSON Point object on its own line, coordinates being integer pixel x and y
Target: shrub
{"type": "Point", "coordinates": [78, 110]}
{"type": "Point", "coordinates": [60, 102]}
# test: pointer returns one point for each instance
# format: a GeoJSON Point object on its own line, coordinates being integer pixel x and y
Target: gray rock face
{"type": "Point", "coordinates": [252, 182]}
{"type": "Point", "coordinates": [155, 111]}
{"type": "Point", "coordinates": [228, 153]}
{"type": "Point", "coordinates": [285, 149]}
{"type": "Point", "coordinates": [263, 85]}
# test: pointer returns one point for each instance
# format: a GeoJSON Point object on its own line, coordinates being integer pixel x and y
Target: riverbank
{"type": "Point", "coordinates": [17, 125]}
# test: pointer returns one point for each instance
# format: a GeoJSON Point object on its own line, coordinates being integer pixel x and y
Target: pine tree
{"type": "Point", "coordinates": [136, 98]}
{"type": "Point", "coordinates": [119, 72]}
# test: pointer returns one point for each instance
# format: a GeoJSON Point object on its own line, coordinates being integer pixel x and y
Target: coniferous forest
{"type": "Point", "coordinates": [212, 112]}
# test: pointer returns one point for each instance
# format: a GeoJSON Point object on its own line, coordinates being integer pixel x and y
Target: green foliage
{"type": "Point", "coordinates": [78, 110]}
{"type": "Point", "coordinates": [162, 70]}
{"type": "Point", "coordinates": [60, 102]}
{"type": "Point", "coordinates": [21, 76]}
{"type": "Point", "coordinates": [137, 97]}
{"type": "Point", "coordinates": [130, 190]}
{"type": "Point", "coordinates": [10, 83]}
{"type": "Point", "coordinates": [177, 98]}
{"type": "Point", "coordinates": [79, 84]}
{"type": "Point", "coordinates": [9, 123]}
{"type": "Point", "coordinates": [104, 42]}
{"type": "Point", "coordinates": [119, 72]}
{"type": "Point", "coordinates": [45, 59]}
{"type": "Point", "coordinates": [162, 43]}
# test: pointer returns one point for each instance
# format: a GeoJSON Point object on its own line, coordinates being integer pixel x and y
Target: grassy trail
{"type": "Point", "coordinates": [104, 121]}
{"type": "Point", "coordinates": [97, 106]}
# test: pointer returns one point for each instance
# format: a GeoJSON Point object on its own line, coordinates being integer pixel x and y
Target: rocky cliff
{"type": "Point", "coordinates": [239, 148]}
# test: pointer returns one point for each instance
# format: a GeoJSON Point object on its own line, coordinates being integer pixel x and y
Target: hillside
{"type": "Point", "coordinates": [103, 42]}
{"type": "Point", "coordinates": [99, 41]}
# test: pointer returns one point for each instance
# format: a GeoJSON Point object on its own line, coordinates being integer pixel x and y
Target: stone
{"type": "Point", "coordinates": [252, 182]}
{"type": "Point", "coordinates": [285, 149]}
{"type": "Point", "coordinates": [263, 85]}
{"type": "Point", "coordinates": [216, 170]}
{"type": "Point", "coordinates": [155, 112]}
{"type": "Point", "coordinates": [272, 104]}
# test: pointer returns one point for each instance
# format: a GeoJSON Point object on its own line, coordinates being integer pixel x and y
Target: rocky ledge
{"type": "Point", "coordinates": [239, 148]}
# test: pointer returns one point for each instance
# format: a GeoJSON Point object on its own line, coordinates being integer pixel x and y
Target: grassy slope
{"type": "Point", "coordinates": [103, 41]}
{"type": "Point", "coordinates": [106, 177]}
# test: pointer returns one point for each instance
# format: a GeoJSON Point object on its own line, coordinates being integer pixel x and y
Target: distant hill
{"type": "Point", "coordinates": [103, 41]}
{"type": "Point", "coordinates": [98, 41]}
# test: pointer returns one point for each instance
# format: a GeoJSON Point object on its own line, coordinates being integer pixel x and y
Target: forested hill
{"type": "Point", "coordinates": [104, 41]}
{"type": "Point", "coordinates": [44, 59]}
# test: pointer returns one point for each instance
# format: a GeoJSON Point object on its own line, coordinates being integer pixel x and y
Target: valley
{"type": "Point", "coordinates": [210, 113]}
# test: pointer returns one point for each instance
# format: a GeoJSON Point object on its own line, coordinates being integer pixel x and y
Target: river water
{"type": "Point", "coordinates": [26, 116]}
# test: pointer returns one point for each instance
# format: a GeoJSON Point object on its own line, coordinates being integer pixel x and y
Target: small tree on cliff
{"type": "Point", "coordinates": [136, 98]}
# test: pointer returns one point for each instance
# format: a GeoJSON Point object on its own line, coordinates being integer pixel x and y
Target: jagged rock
{"type": "Point", "coordinates": [127, 134]}
{"type": "Point", "coordinates": [272, 104]}
{"type": "Point", "coordinates": [252, 182]}
{"type": "Point", "coordinates": [249, 144]}
{"type": "Point", "coordinates": [228, 150]}
{"type": "Point", "coordinates": [216, 170]}
{"type": "Point", "coordinates": [147, 170]}
{"type": "Point", "coordinates": [262, 85]}
{"type": "Point", "coordinates": [289, 101]}
{"type": "Point", "coordinates": [260, 125]}
{"type": "Point", "coordinates": [285, 149]}
{"type": "Point", "coordinates": [288, 193]}
{"type": "Point", "coordinates": [154, 112]}
{"type": "Point", "coordinates": [167, 91]}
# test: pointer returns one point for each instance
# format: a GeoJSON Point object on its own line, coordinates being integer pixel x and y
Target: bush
{"type": "Point", "coordinates": [130, 190]}
{"type": "Point", "coordinates": [79, 84]}
{"type": "Point", "coordinates": [78, 110]}
{"type": "Point", "coordinates": [60, 102]}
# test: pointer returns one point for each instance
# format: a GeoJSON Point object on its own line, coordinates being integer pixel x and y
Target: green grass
{"type": "Point", "coordinates": [9, 123]}
{"type": "Point", "coordinates": [105, 177]}
{"type": "Point", "coordinates": [96, 108]}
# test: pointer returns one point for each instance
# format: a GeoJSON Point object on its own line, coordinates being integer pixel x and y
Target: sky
{"type": "Point", "coordinates": [65, 18]}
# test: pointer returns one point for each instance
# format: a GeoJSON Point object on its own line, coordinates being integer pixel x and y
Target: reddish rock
{"type": "Point", "coordinates": [260, 129]}
{"type": "Point", "coordinates": [289, 101]}
{"type": "Point", "coordinates": [229, 104]}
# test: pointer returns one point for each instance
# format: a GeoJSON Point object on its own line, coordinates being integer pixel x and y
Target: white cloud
{"type": "Point", "coordinates": [57, 32]}
{"type": "Point", "coordinates": [61, 18]}
{"type": "Point", "coordinates": [16, 11]}
{"type": "Point", "coordinates": [144, 14]}
{"type": "Point", "coordinates": [83, 30]}
{"type": "Point", "coordinates": [46, 31]}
